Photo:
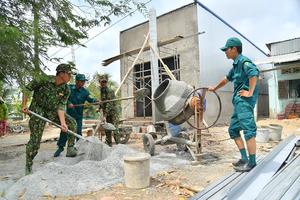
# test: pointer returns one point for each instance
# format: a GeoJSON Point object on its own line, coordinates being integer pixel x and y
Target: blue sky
{"type": "Point", "coordinates": [261, 21]}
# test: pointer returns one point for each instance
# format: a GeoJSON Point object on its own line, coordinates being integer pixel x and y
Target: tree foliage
{"type": "Point", "coordinates": [15, 50]}
{"type": "Point", "coordinates": [11, 97]}
{"type": "Point", "coordinates": [94, 89]}
{"type": "Point", "coordinates": [29, 27]}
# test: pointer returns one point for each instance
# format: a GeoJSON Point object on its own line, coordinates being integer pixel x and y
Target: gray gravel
{"type": "Point", "coordinates": [96, 166]}
{"type": "Point", "coordinates": [73, 176]}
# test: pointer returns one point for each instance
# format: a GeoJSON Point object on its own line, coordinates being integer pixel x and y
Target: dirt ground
{"type": "Point", "coordinates": [176, 183]}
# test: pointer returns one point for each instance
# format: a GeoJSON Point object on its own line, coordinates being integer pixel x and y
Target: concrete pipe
{"type": "Point", "coordinates": [275, 132]}
{"type": "Point", "coordinates": [137, 170]}
{"type": "Point", "coordinates": [262, 134]}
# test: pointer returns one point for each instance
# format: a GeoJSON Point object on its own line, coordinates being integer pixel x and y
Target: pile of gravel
{"type": "Point", "coordinates": [96, 166]}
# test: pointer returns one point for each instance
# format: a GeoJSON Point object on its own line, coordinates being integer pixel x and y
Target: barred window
{"type": "Point", "coordinates": [289, 89]}
{"type": "Point", "coordinates": [291, 70]}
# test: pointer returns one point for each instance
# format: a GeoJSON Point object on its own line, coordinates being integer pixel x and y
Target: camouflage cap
{"type": "Point", "coordinates": [103, 77]}
{"type": "Point", "coordinates": [68, 68]}
{"type": "Point", "coordinates": [1, 99]}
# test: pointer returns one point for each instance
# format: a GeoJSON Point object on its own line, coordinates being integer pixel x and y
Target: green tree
{"type": "Point", "coordinates": [15, 54]}
{"type": "Point", "coordinates": [12, 97]}
{"type": "Point", "coordinates": [94, 86]}
{"type": "Point", "coordinates": [94, 89]}
{"type": "Point", "coordinates": [4, 89]}
{"type": "Point", "coordinates": [36, 25]}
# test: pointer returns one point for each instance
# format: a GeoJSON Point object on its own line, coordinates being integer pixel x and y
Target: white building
{"type": "Point", "coordinates": [194, 57]}
{"type": "Point", "coordinates": [284, 83]}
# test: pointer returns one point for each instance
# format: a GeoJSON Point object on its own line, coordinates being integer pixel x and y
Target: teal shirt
{"type": "Point", "coordinates": [78, 96]}
{"type": "Point", "coordinates": [243, 69]}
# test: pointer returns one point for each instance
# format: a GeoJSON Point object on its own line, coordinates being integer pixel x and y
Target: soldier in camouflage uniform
{"type": "Point", "coordinates": [110, 111]}
{"type": "Point", "coordinates": [79, 95]}
{"type": "Point", "coordinates": [50, 95]}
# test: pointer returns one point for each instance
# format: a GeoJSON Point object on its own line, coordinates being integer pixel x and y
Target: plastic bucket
{"type": "Point", "coordinates": [137, 170]}
{"type": "Point", "coordinates": [275, 132]}
{"type": "Point", "coordinates": [262, 134]}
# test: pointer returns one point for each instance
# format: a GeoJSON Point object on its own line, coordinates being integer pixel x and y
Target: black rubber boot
{"type": "Point", "coordinates": [244, 168]}
{"type": "Point", "coordinates": [58, 151]}
{"type": "Point", "coordinates": [240, 162]}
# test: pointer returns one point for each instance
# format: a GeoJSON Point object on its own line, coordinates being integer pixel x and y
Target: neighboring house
{"type": "Point", "coordinates": [196, 58]}
{"type": "Point", "coordinates": [284, 84]}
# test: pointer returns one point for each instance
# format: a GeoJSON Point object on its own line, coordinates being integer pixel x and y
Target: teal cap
{"type": "Point", "coordinates": [232, 42]}
{"type": "Point", "coordinates": [80, 77]}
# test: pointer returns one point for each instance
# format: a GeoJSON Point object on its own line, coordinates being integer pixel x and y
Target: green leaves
{"type": "Point", "coordinates": [29, 27]}
{"type": "Point", "coordinates": [14, 54]}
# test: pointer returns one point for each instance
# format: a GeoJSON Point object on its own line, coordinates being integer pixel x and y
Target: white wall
{"type": "Point", "coordinates": [180, 22]}
{"type": "Point", "coordinates": [213, 62]}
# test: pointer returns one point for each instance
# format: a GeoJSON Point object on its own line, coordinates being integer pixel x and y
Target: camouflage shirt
{"type": "Point", "coordinates": [47, 95]}
{"type": "Point", "coordinates": [108, 94]}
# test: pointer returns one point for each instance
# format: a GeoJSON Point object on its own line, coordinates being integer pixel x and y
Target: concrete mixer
{"type": "Point", "coordinates": [176, 103]}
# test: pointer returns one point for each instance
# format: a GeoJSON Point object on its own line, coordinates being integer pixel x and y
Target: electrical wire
{"type": "Point", "coordinates": [118, 21]}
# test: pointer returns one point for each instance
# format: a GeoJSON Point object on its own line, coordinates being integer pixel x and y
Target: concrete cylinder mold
{"type": "Point", "coordinates": [275, 132]}
{"type": "Point", "coordinates": [170, 97]}
{"type": "Point", "coordinates": [262, 134]}
{"type": "Point", "coordinates": [137, 170]}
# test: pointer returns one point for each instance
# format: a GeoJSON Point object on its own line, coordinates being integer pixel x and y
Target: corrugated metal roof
{"type": "Point", "coordinates": [250, 186]}
{"type": "Point", "coordinates": [219, 189]}
{"type": "Point", "coordinates": [269, 44]}
{"type": "Point", "coordinates": [290, 176]}
{"type": "Point", "coordinates": [284, 47]}
{"type": "Point", "coordinates": [279, 59]}
{"type": "Point", "coordinates": [285, 182]}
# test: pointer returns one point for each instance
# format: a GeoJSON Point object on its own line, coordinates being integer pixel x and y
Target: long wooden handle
{"type": "Point", "coordinates": [106, 101]}
{"type": "Point", "coordinates": [133, 64]}
{"type": "Point", "coordinates": [55, 124]}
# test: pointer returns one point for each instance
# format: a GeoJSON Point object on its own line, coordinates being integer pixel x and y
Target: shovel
{"type": "Point", "coordinates": [59, 126]}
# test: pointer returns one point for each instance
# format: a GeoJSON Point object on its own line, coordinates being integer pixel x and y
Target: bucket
{"type": "Point", "coordinates": [137, 170]}
{"type": "Point", "coordinates": [275, 132]}
{"type": "Point", "coordinates": [262, 134]}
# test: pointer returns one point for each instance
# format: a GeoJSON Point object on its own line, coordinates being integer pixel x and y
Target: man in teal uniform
{"type": "Point", "coordinates": [244, 75]}
{"type": "Point", "coordinates": [50, 95]}
{"type": "Point", "coordinates": [79, 95]}
{"type": "Point", "coordinates": [110, 110]}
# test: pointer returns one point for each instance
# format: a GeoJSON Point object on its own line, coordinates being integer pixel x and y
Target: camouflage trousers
{"type": "Point", "coordinates": [37, 126]}
{"type": "Point", "coordinates": [113, 119]}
